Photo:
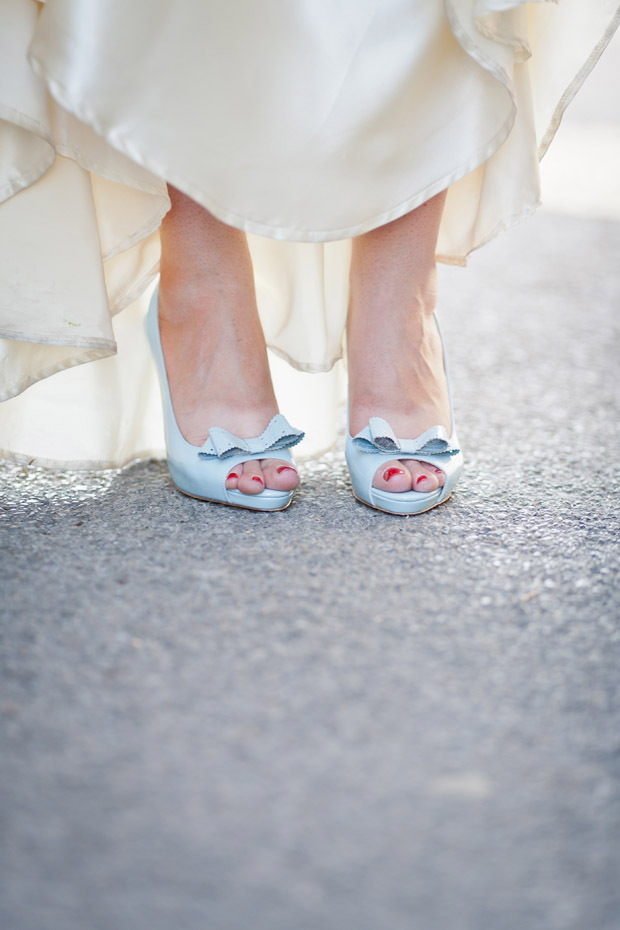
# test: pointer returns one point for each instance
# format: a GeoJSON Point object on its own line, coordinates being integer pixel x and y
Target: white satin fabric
{"type": "Point", "coordinates": [303, 123]}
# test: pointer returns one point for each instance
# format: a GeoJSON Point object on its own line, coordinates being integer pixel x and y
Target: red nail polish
{"type": "Point", "coordinates": [438, 471]}
{"type": "Point", "coordinates": [233, 474]}
{"type": "Point", "coordinates": [256, 478]}
{"type": "Point", "coordinates": [390, 472]}
{"type": "Point", "coordinates": [286, 468]}
{"type": "Point", "coordinates": [420, 478]}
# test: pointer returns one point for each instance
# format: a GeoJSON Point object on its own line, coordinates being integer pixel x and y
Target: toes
{"type": "Point", "coordinates": [279, 475]}
{"type": "Point", "coordinates": [393, 476]}
{"type": "Point", "coordinates": [441, 478]}
{"type": "Point", "coordinates": [253, 476]}
{"type": "Point", "coordinates": [408, 475]}
{"type": "Point", "coordinates": [232, 480]}
{"type": "Point", "coordinates": [251, 480]}
{"type": "Point", "coordinates": [424, 477]}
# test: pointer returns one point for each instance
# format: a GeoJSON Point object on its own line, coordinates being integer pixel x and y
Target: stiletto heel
{"type": "Point", "coordinates": [201, 472]}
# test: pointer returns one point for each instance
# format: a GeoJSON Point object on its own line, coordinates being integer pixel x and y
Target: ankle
{"type": "Point", "coordinates": [187, 298]}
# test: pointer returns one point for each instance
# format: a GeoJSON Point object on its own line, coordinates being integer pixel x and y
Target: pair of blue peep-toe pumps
{"type": "Point", "coordinates": [202, 471]}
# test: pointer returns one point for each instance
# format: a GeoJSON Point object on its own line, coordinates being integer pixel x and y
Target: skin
{"type": "Point", "coordinates": [215, 354]}
{"type": "Point", "coordinates": [395, 358]}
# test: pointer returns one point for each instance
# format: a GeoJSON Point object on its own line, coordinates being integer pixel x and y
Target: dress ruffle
{"type": "Point", "coordinates": [302, 124]}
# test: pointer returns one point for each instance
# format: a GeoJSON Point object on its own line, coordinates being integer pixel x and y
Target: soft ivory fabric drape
{"type": "Point", "coordinates": [302, 123]}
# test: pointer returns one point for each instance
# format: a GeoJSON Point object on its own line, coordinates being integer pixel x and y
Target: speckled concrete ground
{"type": "Point", "coordinates": [330, 718]}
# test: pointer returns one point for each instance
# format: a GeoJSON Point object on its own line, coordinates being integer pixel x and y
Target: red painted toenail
{"type": "Point", "coordinates": [233, 474]}
{"type": "Point", "coordinates": [256, 478]}
{"type": "Point", "coordinates": [438, 471]}
{"type": "Point", "coordinates": [390, 472]}
{"type": "Point", "coordinates": [420, 478]}
{"type": "Point", "coordinates": [286, 468]}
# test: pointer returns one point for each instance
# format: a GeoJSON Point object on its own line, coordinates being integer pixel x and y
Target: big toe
{"type": "Point", "coordinates": [425, 477]}
{"type": "Point", "coordinates": [393, 476]}
{"type": "Point", "coordinates": [280, 475]}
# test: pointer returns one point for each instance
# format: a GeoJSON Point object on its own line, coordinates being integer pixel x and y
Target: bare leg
{"type": "Point", "coordinates": [213, 343]}
{"type": "Point", "coordinates": [394, 350]}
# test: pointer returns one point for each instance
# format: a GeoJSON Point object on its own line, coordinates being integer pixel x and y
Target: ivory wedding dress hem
{"type": "Point", "coordinates": [302, 124]}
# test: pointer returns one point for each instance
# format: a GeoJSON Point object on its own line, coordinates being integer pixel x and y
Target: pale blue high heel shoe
{"type": "Point", "coordinates": [377, 443]}
{"type": "Point", "coordinates": [202, 471]}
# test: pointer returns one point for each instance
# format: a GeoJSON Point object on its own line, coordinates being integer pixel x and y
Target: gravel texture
{"type": "Point", "coordinates": [331, 718]}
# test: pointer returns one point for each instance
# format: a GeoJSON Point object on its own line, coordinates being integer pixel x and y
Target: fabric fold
{"type": "Point", "coordinates": [302, 124]}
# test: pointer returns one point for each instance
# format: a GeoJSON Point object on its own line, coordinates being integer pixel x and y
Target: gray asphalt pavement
{"type": "Point", "coordinates": [331, 718]}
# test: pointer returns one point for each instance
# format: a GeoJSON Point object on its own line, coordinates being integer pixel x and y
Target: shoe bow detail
{"type": "Point", "coordinates": [379, 436]}
{"type": "Point", "coordinates": [279, 435]}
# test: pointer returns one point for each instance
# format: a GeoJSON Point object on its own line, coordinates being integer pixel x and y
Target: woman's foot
{"type": "Point", "coordinates": [212, 339]}
{"type": "Point", "coordinates": [400, 378]}
{"type": "Point", "coordinates": [394, 349]}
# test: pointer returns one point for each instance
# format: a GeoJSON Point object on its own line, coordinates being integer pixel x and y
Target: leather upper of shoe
{"type": "Point", "coordinates": [379, 436]}
{"type": "Point", "coordinates": [279, 434]}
